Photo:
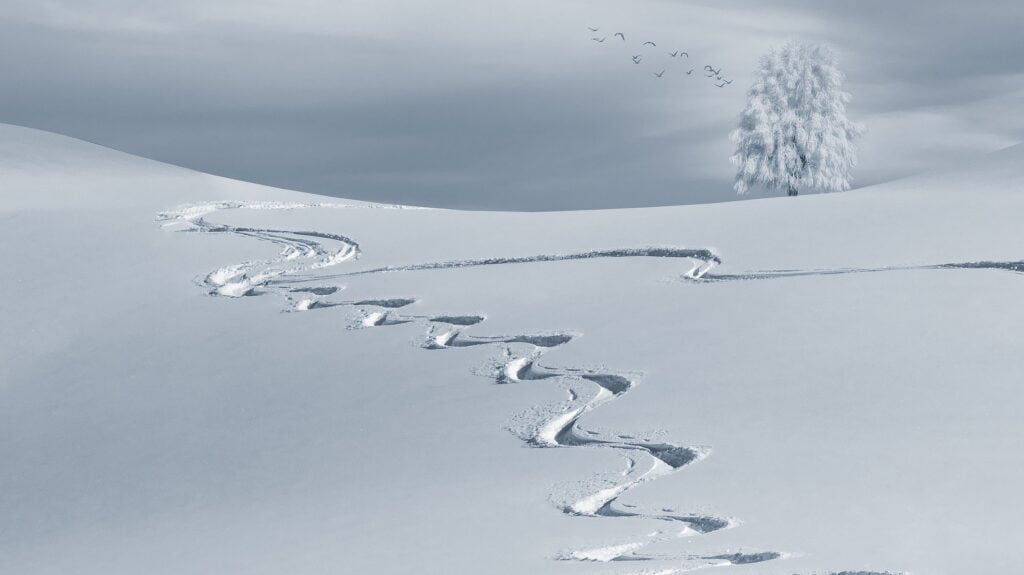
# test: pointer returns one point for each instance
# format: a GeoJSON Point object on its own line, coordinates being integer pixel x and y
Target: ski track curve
{"type": "Point", "coordinates": [546, 427]}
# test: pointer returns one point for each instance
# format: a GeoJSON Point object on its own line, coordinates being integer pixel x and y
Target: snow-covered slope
{"type": "Point", "coordinates": [208, 376]}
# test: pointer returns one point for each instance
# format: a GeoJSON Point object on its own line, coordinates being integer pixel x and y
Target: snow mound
{"type": "Point", "coordinates": [768, 384]}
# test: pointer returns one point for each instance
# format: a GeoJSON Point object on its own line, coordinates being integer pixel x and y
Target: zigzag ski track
{"type": "Point", "coordinates": [561, 426]}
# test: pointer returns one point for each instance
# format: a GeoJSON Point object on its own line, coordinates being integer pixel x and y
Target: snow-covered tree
{"type": "Point", "coordinates": [794, 132]}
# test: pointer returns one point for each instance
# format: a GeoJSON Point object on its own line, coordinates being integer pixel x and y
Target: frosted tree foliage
{"type": "Point", "coordinates": [794, 132]}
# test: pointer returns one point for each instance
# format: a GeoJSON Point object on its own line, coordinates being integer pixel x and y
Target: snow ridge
{"type": "Point", "coordinates": [705, 260]}
{"type": "Point", "coordinates": [1008, 266]}
{"type": "Point", "coordinates": [557, 426]}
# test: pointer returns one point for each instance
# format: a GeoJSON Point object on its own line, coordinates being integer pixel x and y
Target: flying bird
{"type": "Point", "coordinates": [651, 43]}
{"type": "Point", "coordinates": [592, 29]}
{"type": "Point", "coordinates": [690, 72]}
{"type": "Point", "coordinates": [621, 35]}
{"type": "Point", "coordinates": [637, 58]}
{"type": "Point", "coordinates": [601, 39]}
{"type": "Point", "coordinates": [659, 74]}
{"type": "Point", "coordinates": [687, 54]}
{"type": "Point", "coordinates": [710, 71]}
{"type": "Point", "coordinates": [674, 54]}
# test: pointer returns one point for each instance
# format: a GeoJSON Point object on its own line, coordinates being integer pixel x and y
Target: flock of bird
{"type": "Point", "coordinates": [710, 72]}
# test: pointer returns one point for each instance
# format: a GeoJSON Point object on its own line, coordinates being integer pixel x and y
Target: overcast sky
{"type": "Point", "coordinates": [496, 105]}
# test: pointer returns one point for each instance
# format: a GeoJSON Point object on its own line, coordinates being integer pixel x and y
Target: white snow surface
{"type": "Point", "coordinates": [200, 375]}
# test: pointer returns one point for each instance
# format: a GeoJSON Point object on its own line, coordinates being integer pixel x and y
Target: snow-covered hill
{"type": "Point", "coordinates": [202, 375]}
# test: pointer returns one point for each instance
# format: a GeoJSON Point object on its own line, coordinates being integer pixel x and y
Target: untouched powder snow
{"type": "Point", "coordinates": [201, 375]}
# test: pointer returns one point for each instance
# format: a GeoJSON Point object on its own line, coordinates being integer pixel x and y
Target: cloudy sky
{"type": "Point", "coordinates": [496, 105]}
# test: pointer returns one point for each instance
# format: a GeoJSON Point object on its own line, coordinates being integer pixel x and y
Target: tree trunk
{"type": "Point", "coordinates": [792, 191]}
